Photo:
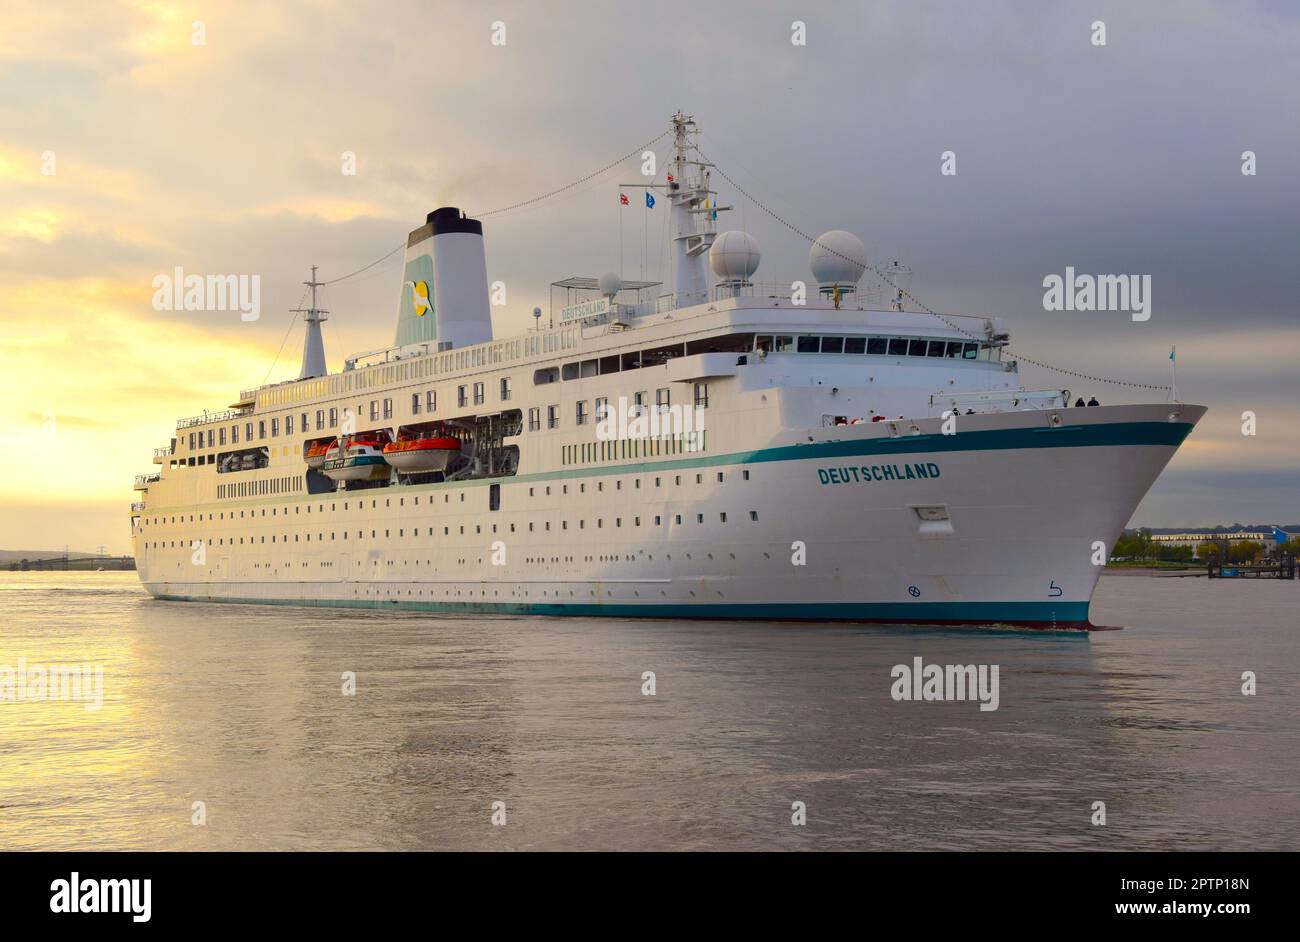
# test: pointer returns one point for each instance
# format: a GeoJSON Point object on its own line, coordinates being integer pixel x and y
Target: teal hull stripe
{"type": "Point", "coordinates": [983, 613]}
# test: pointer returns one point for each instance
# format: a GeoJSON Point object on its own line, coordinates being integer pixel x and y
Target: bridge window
{"type": "Point", "coordinates": [855, 344]}
{"type": "Point", "coordinates": [897, 347]}
{"type": "Point", "coordinates": [832, 345]}
{"type": "Point", "coordinates": [809, 344]}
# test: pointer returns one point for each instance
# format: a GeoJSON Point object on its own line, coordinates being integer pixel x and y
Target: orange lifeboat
{"type": "Point", "coordinates": [417, 455]}
{"type": "Point", "coordinates": [315, 456]}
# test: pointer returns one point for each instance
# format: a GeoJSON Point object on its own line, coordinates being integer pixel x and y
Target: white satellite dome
{"type": "Point", "coordinates": [734, 256]}
{"type": "Point", "coordinates": [610, 284]}
{"type": "Point", "coordinates": [838, 258]}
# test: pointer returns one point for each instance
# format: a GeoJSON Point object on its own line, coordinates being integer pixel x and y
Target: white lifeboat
{"type": "Point", "coordinates": [357, 459]}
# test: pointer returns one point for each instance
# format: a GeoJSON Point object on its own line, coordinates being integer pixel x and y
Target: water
{"type": "Point", "coordinates": [241, 707]}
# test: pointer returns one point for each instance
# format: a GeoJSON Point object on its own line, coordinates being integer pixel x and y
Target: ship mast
{"type": "Point", "coordinates": [313, 348]}
{"type": "Point", "coordinates": [691, 199]}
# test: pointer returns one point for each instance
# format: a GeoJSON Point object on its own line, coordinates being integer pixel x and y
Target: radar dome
{"type": "Point", "coordinates": [734, 256]}
{"type": "Point", "coordinates": [838, 258]}
{"type": "Point", "coordinates": [610, 284]}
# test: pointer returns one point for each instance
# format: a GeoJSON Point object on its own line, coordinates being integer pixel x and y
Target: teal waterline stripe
{"type": "Point", "coordinates": [1066, 436]}
{"type": "Point", "coordinates": [985, 613]}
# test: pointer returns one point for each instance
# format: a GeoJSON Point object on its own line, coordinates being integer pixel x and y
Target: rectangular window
{"type": "Point", "coordinates": [480, 395]}
{"type": "Point", "coordinates": [877, 346]}
{"type": "Point", "coordinates": [234, 434]}
{"type": "Point", "coordinates": [288, 425]}
{"type": "Point", "coordinates": [462, 396]}
{"type": "Point", "coordinates": [261, 429]}
{"type": "Point", "coordinates": [191, 441]}
{"type": "Point", "coordinates": [248, 431]}
{"type": "Point", "coordinates": [415, 403]}
{"type": "Point", "coordinates": [855, 344]}
{"type": "Point", "coordinates": [505, 388]}
{"type": "Point", "coordinates": [763, 344]}
{"type": "Point", "coordinates": [970, 351]}
{"type": "Point", "coordinates": [494, 497]}
{"type": "Point", "coordinates": [374, 410]}
{"type": "Point", "coordinates": [210, 441]}
{"type": "Point", "coordinates": [832, 345]}
{"type": "Point", "coordinates": [334, 417]}
{"type": "Point", "coordinates": [580, 412]}
{"type": "Point", "coordinates": [663, 398]}
{"type": "Point", "coordinates": [320, 419]}
{"type": "Point", "coordinates": [430, 401]}
{"type": "Point", "coordinates": [638, 403]}
{"type": "Point", "coordinates": [305, 426]}
{"type": "Point", "coordinates": [809, 344]}
{"type": "Point", "coordinates": [897, 347]}
{"type": "Point", "coordinates": [388, 408]}
{"type": "Point", "coordinates": [936, 348]}
{"type": "Point", "coordinates": [602, 408]}
{"type": "Point", "coordinates": [916, 348]}
{"type": "Point", "coordinates": [702, 395]}
{"type": "Point", "coordinates": [534, 419]}
{"type": "Point", "coordinates": [552, 416]}
{"type": "Point", "coordinates": [784, 344]}
{"type": "Point", "coordinates": [221, 435]}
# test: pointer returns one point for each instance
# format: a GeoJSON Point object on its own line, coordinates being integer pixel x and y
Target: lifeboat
{"type": "Point", "coordinates": [316, 453]}
{"type": "Point", "coordinates": [357, 459]}
{"type": "Point", "coordinates": [417, 455]}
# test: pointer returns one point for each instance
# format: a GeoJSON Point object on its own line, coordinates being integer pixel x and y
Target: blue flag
{"type": "Point", "coordinates": [649, 201]}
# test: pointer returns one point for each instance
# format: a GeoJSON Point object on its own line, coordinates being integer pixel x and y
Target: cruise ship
{"type": "Point", "coordinates": [728, 449]}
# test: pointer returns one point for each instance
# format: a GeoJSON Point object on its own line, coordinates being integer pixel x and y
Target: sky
{"type": "Point", "coordinates": [129, 148]}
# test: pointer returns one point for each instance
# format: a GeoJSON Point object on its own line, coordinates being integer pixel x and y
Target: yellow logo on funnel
{"type": "Point", "coordinates": [419, 297]}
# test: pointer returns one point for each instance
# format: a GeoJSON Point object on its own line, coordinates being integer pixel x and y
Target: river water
{"type": "Point", "coordinates": [242, 708]}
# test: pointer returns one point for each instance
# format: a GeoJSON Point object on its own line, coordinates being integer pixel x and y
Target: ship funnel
{"type": "Point", "coordinates": [444, 283]}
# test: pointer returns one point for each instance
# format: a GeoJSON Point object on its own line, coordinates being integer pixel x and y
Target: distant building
{"type": "Point", "coordinates": [1196, 539]}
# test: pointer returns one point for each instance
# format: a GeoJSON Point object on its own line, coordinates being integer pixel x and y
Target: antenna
{"type": "Point", "coordinates": [537, 318]}
{"type": "Point", "coordinates": [313, 347]}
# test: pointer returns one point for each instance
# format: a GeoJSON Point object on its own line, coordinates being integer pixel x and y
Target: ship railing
{"type": "Point", "coordinates": [1005, 400]}
{"type": "Point", "coordinates": [137, 506]}
{"type": "Point", "coordinates": [223, 416]}
{"type": "Point", "coordinates": [163, 452]}
{"type": "Point", "coordinates": [144, 480]}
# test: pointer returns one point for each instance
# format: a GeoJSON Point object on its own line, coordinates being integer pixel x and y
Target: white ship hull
{"type": "Point", "coordinates": [833, 535]}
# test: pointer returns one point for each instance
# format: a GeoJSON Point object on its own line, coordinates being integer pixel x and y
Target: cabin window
{"type": "Point", "coordinates": [580, 412]}
{"type": "Point", "coordinates": [479, 395]}
{"type": "Point", "coordinates": [897, 347]}
{"type": "Point", "coordinates": [430, 401]}
{"type": "Point", "coordinates": [275, 427]}
{"type": "Point", "coordinates": [505, 389]}
{"type": "Point", "coordinates": [832, 345]}
{"type": "Point", "coordinates": [534, 419]}
{"type": "Point", "coordinates": [553, 416]}
{"type": "Point", "coordinates": [763, 344]}
{"type": "Point", "coordinates": [970, 351]}
{"type": "Point", "coordinates": [288, 425]}
{"type": "Point", "coordinates": [808, 344]}
{"type": "Point", "coordinates": [663, 398]}
{"type": "Point", "coordinates": [415, 403]}
{"type": "Point", "coordinates": [234, 434]}
{"type": "Point", "coordinates": [602, 408]}
{"type": "Point", "coordinates": [855, 344]}
{"type": "Point", "coordinates": [320, 419]}
{"type": "Point", "coordinates": [462, 396]}
{"type": "Point", "coordinates": [877, 346]}
{"type": "Point", "coordinates": [494, 497]}
{"type": "Point", "coordinates": [937, 348]}
{"type": "Point", "coordinates": [701, 395]}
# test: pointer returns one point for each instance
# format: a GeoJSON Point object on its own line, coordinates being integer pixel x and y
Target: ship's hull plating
{"type": "Point", "coordinates": [1006, 525]}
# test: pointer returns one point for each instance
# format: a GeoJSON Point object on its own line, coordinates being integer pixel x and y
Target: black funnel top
{"type": "Point", "coordinates": [451, 219]}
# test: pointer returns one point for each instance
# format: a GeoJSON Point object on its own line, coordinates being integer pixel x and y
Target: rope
{"type": "Point", "coordinates": [911, 297]}
{"type": "Point", "coordinates": [292, 321]}
{"type": "Point", "coordinates": [528, 202]}
{"type": "Point", "coordinates": [568, 186]}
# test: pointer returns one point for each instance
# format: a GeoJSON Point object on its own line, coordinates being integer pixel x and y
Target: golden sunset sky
{"type": "Point", "coordinates": [128, 149]}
